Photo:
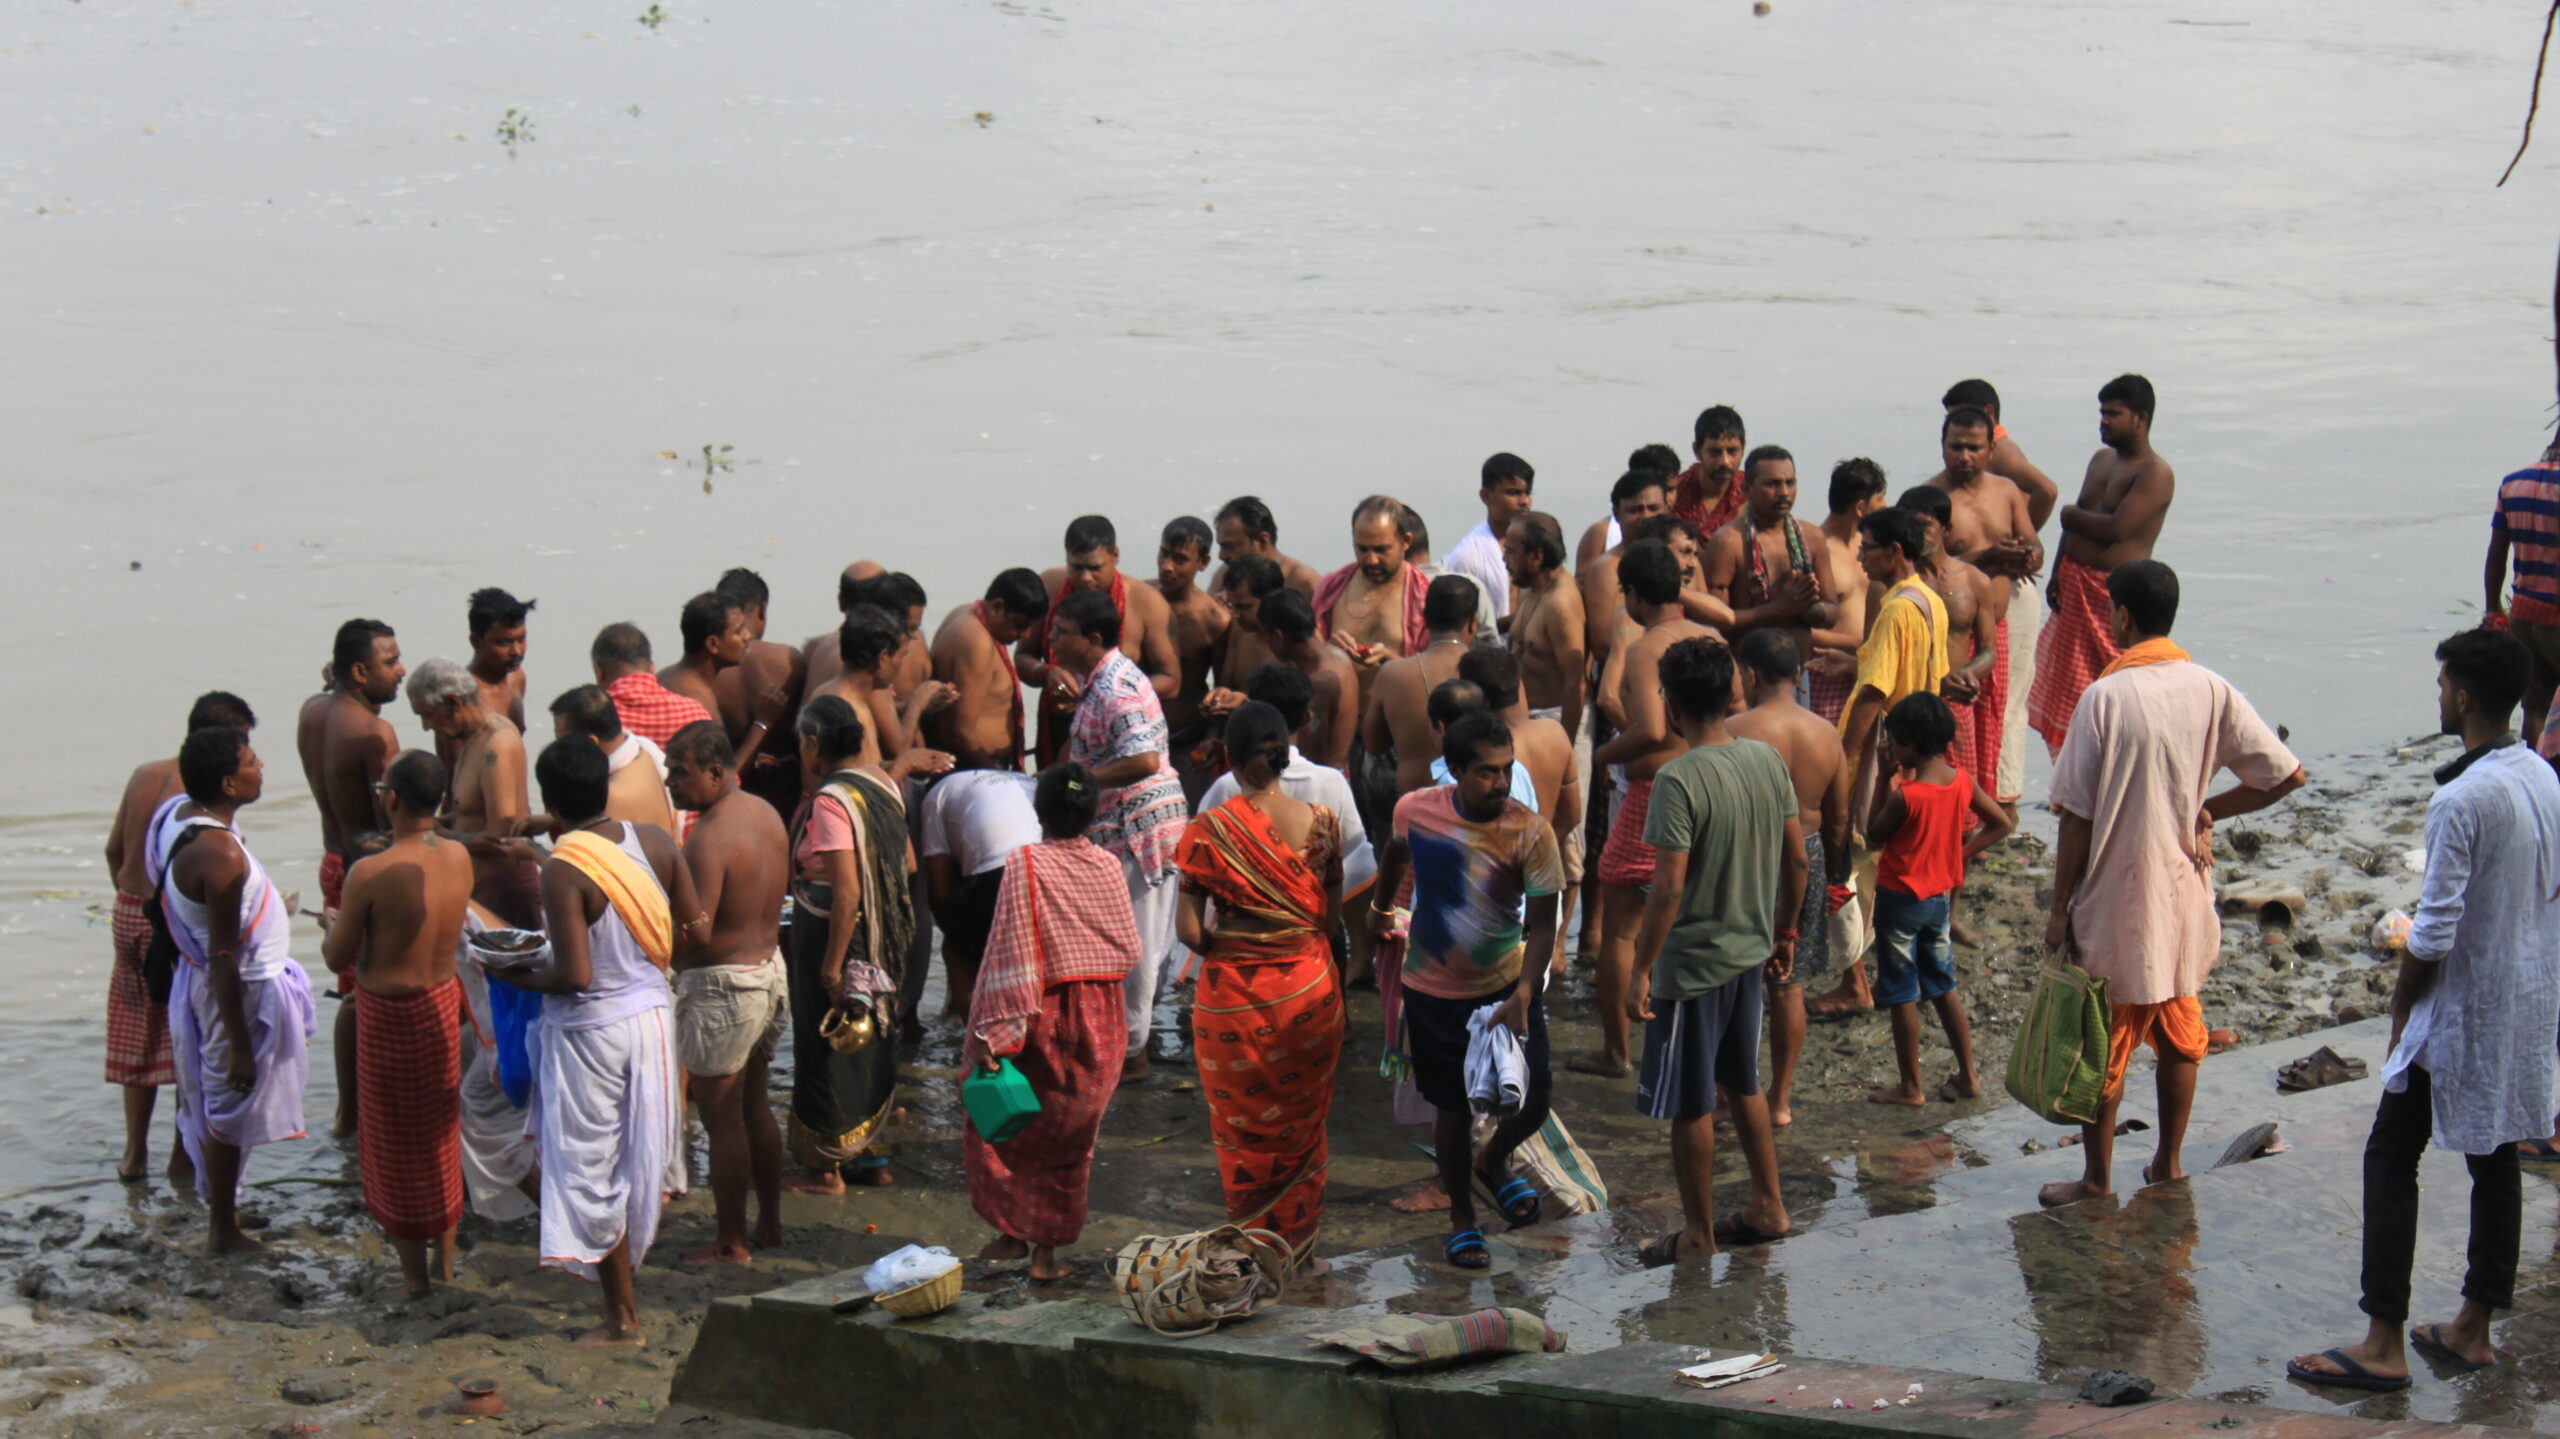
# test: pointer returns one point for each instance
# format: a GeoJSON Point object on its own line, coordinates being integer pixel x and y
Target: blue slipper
{"type": "Point", "coordinates": [2429, 1340]}
{"type": "Point", "coordinates": [2351, 1376]}
{"type": "Point", "coordinates": [1517, 1200]}
{"type": "Point", "coordinates": [2541, 1151]}
{"type": "Point", "coordinates": [1467, 1250]}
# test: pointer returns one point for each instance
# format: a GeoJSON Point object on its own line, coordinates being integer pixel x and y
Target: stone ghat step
{"type": "Point", "coordinates": [1078, 1368]}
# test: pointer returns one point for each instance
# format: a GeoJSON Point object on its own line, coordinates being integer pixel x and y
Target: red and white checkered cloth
{"type": "Point", "coordinates": [1691, 502]}
{"type": "Point", "coordinates": [137, 1029]}
{"type": "Point", "coordinates": [409, 1109]}
{"type": "Point", "coordinates": [1062, 915]}
{"type": "Point", "coordinates": [1978, 724]}
{"type": "Point", "coordinates": [1626, 860]}
{"type": "Point", "coordinates": [651, 710]}
{"type": "Point", "coordinates": [2076, 645]}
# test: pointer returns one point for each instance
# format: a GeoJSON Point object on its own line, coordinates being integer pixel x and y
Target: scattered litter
{"type": "Point", "coordinates": [1879, 1404]}
{"type": "Point", "coordinates": [2111, 1387]}
{"type": "Point", "coordinates": [1839, 1403]}
{"type": "Point", "coordinates": [1916, 1389]}
{"type": "Point", "coordinates": [1716, 1374]}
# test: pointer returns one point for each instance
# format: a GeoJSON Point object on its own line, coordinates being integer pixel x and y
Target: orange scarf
{"type": "Point", "coordinates": [629, 886]}
{"type": "Point", "coordinates": [2159, 651]}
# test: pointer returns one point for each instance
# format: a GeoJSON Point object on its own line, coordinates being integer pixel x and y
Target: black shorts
{"type": "Point", "coordinates": [1691, 1046]}
{"type": "Point", "coordinates": [973, 915]}
{"type": "Point", "coordinates": [1435, 1039]}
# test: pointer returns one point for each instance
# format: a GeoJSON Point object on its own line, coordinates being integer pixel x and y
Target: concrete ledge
{"type": "Point", "coordinates": [1080, 1368]}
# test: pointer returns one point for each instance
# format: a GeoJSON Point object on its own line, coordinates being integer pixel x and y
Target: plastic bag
{"type": "Point", "coordinates": [2391, 932]}
{"type": "Point", "coordinates": [905, 1268]}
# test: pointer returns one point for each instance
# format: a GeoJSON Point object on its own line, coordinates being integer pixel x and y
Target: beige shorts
{"type": "Point", "coordinates": [2026, 621]}
{"type": "Point", "coordinates": [1572, 846]}
{"type": "Point", "coordinates": [723, 1011]}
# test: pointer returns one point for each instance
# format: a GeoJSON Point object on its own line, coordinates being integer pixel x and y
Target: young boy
{"type": "Point", "coordinates": [1917, 825]}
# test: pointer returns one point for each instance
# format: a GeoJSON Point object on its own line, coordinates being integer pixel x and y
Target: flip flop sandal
{"type": "Point", "coordinates": [2351, 1375]}
{"type": "Point", "coordinates": [1517, 1200]}
{"type": "Point", "coordinates": [1732, 1233]}
{"type": "Point", "coordinates": [2538, 1151]}
{"type": "Point", "coordinates": [1466, 1249]}
{"type": "Point", "coordinates": [2429, 1340]}
{"type": "Point", "coordinates": [1661, 1252]}
{"type": "Point", "coordinates": [2318, 1070]}
{"type": "Point", "coordinates": [2247, 1145]}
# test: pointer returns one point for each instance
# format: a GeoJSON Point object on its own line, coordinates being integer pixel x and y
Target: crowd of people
{"type": "Point", "coordinates": [1173, 822]}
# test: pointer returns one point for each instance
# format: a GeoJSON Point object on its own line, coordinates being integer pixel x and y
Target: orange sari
{"type": "Point", "coordinates": [1267, 1021]}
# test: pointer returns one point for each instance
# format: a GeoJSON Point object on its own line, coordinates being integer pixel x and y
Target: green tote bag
{"type": "Point", "coordinates": [2059, 1067]}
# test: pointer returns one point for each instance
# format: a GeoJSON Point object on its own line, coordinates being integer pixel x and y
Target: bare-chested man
{"type": "Point", "coordinates": [1768, 566]}
{"type": "Point", "coordinates": [1243, 585]}
{"type": "Point", "coordinates": [1396, 720]}
{"type": "Point", "coordinates": [893, 733]}
{"type": "Point", "coordinates": [1977, 605]}
{"type": "Point", "coordinates": [973, 654]}
{"type": "Point", "coordinates": [1766, 669]}
{"type": "Point", "coordinates": [818, 657]}
{"type": "Point", "coordinates": [1146, 628]}
{"type": "Point", "coordinates": [488, 807]}
{"type": "Point", "coordinates": [1649, 576]}
{"type": "Point", "coordinates": [731, 993]}
{"type": "Point", "coordinates": [638, 790]}
{"type": "Point", "coordinates": [2123, 500]}
{"type": "Point", "coordinates": [1547, 632]}
{"type": "Point", "coordinates": [1245, 527]}
{"type": "Point", "coordinates": [1994, 530]}
{"type": "Point", "coordinates": [1199, 625]}
{"type": "Point", "coordinates": [1638, 495]}
{"type": "Point", "coordinates": [1857, 491]}
{"type": "Point", "coordinates": [497, 622]}
{"type": "Point", "coordinates": [758, 696]}
{"type": "Point", "coordinates": [1372, 607]}
{"type": "Point", "coordinates": [396, 933]}
{"type": "Point", "coordinates": [138, 1022]}
{"type": "Point", "coordinates": [1333, 720]}
{"type": "Point", "coordinates": [2007, 459]}
{"type": "Point", "coordinates": [716, 636]}
{"type": "Point", "coordinates": [356, 746]}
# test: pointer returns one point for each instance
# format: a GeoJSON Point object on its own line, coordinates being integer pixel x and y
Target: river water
{"type": "Point", "coordinates": [298, 337]}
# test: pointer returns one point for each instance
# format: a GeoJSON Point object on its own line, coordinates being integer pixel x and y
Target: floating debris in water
{"type": "Point", "coordinates": [984, 118]}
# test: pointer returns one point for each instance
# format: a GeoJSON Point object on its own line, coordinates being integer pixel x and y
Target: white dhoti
{"type": "Point", "coordinates": [2026, 621]}
{"type": "Point", "coordinates": [1149, 986]}
{"type": "Point", "coordinates": [277, 1005]}
{"type": "Point", "coordinates": [606, 1112]}
{"type": "Point", "coordinates": [496, 1155]}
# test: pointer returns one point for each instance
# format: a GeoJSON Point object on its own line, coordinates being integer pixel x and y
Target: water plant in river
{"type": "Point", "coordinates": [653, 17]}
{"type": "Point", "coordinates": [715, 458]}
{"type": "Point", "coordinates": [515, 128]}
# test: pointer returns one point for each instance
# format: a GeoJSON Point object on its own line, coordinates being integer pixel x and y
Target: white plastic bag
{"type": "Point", "coordinates": [908, 1267]}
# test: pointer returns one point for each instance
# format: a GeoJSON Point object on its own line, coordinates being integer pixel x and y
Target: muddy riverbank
{"type": "Point", "coordinates": [113, 1324]}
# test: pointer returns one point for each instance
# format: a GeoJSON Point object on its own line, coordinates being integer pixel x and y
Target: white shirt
{"type": "Point", "coordinates": [1479, 558]}
{"type": "Point", "coordinates": [632, 747]}
{"type": "Point", "coordinates": [2488, 921]}
{"type": "Point", "coordinates": [1310, 783]}
{"type": "Point", "coordinates": [979, 817]}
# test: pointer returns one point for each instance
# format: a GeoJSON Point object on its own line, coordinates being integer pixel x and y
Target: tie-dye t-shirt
{"type": "Point", "coordinates": [1469, 878]}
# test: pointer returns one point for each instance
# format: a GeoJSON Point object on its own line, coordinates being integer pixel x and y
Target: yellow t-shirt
{"type": "Point", "coordinates": [1906, 648]}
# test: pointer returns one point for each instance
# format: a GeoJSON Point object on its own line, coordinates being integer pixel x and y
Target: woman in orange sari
{"type": "Point", "coordinates": [1267, 1019]}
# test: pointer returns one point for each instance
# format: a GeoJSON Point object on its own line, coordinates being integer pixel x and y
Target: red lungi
{"type": "Point", "coordinates": [1032, 1186]}
{"type": "Point", "coordinates": [1828, 697]}
{"type": "Point", "coordinates": [137, 1029]}
{"type": "Point", "coordinates": [2078, 643]}
{"type": "Point", "coordinates": [1626, 860]}
{"type": "Point", "coordinates": [333, 888]}
{"type": "Point", "coordinates": [409, 1109]}
{"type": "Point", "coordinates": [1978, 724]}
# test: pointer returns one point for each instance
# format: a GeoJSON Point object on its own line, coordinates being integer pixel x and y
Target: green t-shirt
{"type": "Point", "coordinates": [1728, 806]}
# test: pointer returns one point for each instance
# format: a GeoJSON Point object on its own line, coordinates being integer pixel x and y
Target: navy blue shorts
{"type": "Point", "coordinates": [1691, 1046]}
{"type": "Point", "coordinates": [1435, 1039]}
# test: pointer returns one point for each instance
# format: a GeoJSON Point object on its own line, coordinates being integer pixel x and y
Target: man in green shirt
{"type": "Point", "coordinates": [1728, 882]}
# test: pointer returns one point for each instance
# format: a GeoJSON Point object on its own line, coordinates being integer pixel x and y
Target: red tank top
{"type": "Point", "coordinates": [1925, 858]}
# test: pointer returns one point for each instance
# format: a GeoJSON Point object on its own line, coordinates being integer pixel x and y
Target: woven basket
{"type": "Point", "coordinates": [931, 1297]}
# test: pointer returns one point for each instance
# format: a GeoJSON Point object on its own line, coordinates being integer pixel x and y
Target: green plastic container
{"type": "Point", "coordinates": [1001, 1105]}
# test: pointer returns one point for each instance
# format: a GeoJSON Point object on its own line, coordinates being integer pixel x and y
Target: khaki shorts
{"type": "Point", "coordinates": [723, 1011]}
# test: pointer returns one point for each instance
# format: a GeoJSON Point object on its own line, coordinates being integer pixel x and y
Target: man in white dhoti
{"type": "Point", "coordinates": [607, 1108]}
{"type": "Point", "coordinates": [499, 1174]}
{"type": "Point", "coordinates": [2472, 1021]}
{"type": "Point", "coordinates": [240, 1015]}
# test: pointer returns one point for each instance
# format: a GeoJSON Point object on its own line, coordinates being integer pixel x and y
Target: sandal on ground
{"type": "Point", "coordinates": [2537, 1151]}
{"type": "Point", "coordinates": [1732, 1233]}
{"type": "Point", "coordinates": [2319, 1069]}
{"type": "Point", "coordinates": [1660, 1252]}
{"type": "Point", "coordinates": [1466, 1249]}
{"type": "Point", "coordinates": [1517, 1199]}
{"type": "Point", "coordinates": [2248, 1144]}
{"type": "Point", "coordinates": [2351, 1375]}
{"type": "Point", "coordinates": [2428, 1339]}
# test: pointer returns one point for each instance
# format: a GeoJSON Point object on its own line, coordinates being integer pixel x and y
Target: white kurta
{"type": "Point", "coordinates": [1479, 558]}
{"type": "Point", "coordinates": [2488, 921]}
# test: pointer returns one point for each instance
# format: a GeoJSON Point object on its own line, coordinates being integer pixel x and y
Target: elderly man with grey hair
{"type": "Point", "coordinates": [487, 806]}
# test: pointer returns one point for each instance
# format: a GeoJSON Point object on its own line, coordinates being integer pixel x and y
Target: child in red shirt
{"type": "Point", "coordinates": [1918, 823]}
